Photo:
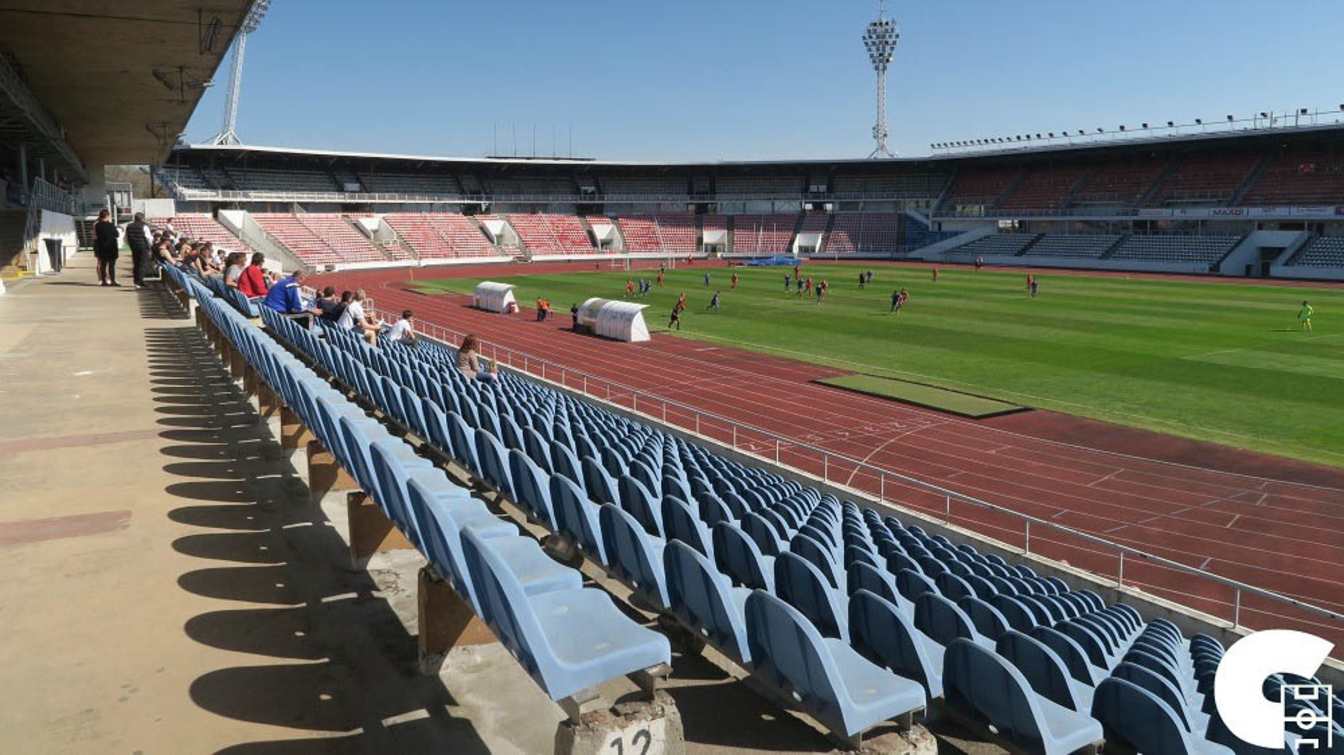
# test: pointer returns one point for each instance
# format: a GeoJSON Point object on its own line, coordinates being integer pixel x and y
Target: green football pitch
{"type": "Point", "coordinates": [1217, 362]}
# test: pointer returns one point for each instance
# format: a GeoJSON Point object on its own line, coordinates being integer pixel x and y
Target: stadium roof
{"type": "Point", "coordinates": [1219, 138]}
{"type": "Point", "coordinates": [119, 81]}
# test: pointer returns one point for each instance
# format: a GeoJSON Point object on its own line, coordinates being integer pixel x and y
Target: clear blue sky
{"type": "Point", "coordinates": [758, 79]}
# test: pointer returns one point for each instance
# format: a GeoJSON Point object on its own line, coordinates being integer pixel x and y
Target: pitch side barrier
{"type": "Point", "coordinates": [1242, 606]}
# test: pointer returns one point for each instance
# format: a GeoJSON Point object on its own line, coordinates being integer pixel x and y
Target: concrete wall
{"type": "Point", "coordinates": [55, 225]}
{"type": "Point", "coordinates": [1248, 251]}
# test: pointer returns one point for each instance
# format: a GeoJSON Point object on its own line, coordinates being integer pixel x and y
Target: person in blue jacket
{"type": "Point", "coordinates": [286, 296]}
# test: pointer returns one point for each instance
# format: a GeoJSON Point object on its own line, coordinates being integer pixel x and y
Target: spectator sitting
{"type": "Point", "coordinates": [233, 269]}
{"type": "Point", "coordinates": [329, 304]}
{"type": "Point", "coordinates": [402, 331]}
{"type": "Point", "coordinates": [286, 297]}
{"type": "Point", "coordinates": [341, 303]}
{"type": "Point", "coordinates": [354, 318]}
{"type": "Point", "coordinates": [469, 361]}
{"type": "Point", "coordinates": [252, 282]}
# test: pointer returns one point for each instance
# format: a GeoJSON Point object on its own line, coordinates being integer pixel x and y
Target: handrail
{"type": "Point", "coordinates": [549, 370]}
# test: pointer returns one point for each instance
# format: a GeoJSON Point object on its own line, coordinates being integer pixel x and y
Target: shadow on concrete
{"type": "Point", "coordinates": [328, 658]}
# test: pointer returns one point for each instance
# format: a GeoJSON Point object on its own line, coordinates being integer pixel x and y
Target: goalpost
{"type": "Point", "coordinates": [627, 263]}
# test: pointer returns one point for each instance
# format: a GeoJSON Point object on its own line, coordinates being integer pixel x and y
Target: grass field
{"type": "Point", "coordinates": [1224, 363]}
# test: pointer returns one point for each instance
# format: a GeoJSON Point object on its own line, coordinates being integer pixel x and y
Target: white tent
{"type": "Point", "coordinates": [618, 320]}
{"type": "Point", "coordinates": [494, 297]}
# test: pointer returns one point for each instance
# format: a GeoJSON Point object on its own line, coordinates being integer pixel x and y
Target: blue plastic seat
{"type": "Point", "coordinates": [533, 488]}
{"type": "Point", "coordinates": [736, 555]}
{"type": "Point", "coordinates": [679, 523]}
{"type": "Point", "coordinates": [535, 571]}
{"type": "Point", "coordinates": [635, 557]}
{"type": "Point", "coordinates": [880, 631]}
{"type": "Point", "coordinates": [1135, 717]}
{"type": "Point", "coordinates": [1045, 671]}
{"type": "Point", "coordinates": [601, 486]}
{"type": "Point", "coordinates": [986, 618]}
{"type": "Point", "coordinates": [640, 503]}
{"type": "Point", "coordinates": [978, 681]}
{"type": "Point", "coordinates": [801, 584]}
{"type": "Point", "coordinates": [1072, 653]}
{"type": "Point", "coordinates": [833, 683]}
{"type": "Point", "coordinates": [567, 640]}
{"type": "Point", "coordinates": [861, 576]}
{"type": "Point", "coordinates": [704, 600]}
{"type": "Point", "coordinates": [942, 621]}
{"type": "Point", "coordinates": [913, 584]}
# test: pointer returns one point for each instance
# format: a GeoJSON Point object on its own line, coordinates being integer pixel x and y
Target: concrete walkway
{"type": "Point", "coordinates": [169, 588]}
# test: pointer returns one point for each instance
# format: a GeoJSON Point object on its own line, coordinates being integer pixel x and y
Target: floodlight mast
{"type": "Point", "coordinates": [880, 41]}
{"type": "Point", "coordinates": [229, 134]}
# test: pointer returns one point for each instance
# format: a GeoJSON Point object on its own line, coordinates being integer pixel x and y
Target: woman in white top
{"type": "Point", "coordinates": [234, 269]}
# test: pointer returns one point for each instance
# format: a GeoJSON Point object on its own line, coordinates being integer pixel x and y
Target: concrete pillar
{"type": "Point", "coordinates": [446, 621]}
{"type": "Point", "coordinates": [326, 476]}
{"type": "Point", "coordinates": [23, 167]}
{"type": "Point", "coordinates": [370, 530]}
{"type": "Point", "coordinates": [293, 435]}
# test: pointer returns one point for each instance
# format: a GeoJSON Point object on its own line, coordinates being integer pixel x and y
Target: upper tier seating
{"type": "Point", "coordinates": [864, 233]}
{"type": "Point", "coordinates": [1175, 248]}
{"type": "Point", "coordinates": [1299, 178]}
{"type": "Point", "coordinates": [1043, 189]}
{"type": "Point", "coordinates": [1205, 178]}
{"type": "Point", "coordinates": [1121, 183]}
{"type": "Point", "coordinates": [205, 228]}
{"type": "Point", "coordinates": [917, 186]}
{"type": "Point", "coordinates": [441, 235]}
{"type": "Point", "coordinates": [855, 617]}
{"type": "Point", "coordinates": [1322, 251]}
{"type": "Point", "coordinates": [997, 244]}
{"type": "Point", "coordinates": [759, 186]}
{"type": "Point", "coordinates": [764, 234]}
{"type": "Point", "coordinates": [255, 179]}
{"type": "Point", "coordinates": [1073, 245]}
{"type": "Point", "coordinates": [645, 186]}
{"type": "Point", "coordinates": [410, 183]}
{"type": "Point", "coordinates": [980, 186]}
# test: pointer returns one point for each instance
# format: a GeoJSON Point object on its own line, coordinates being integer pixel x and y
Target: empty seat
{"type": "Point", "coordinates": [833, 683]}
{"type": "Point", "coordinates": [705, 601]}
{"type": "Point", "coordinates": [567, 640]}
{"type": "Point", "coordinates": [979, 682]}
{"type": "Point", "coordinates": [880, 631]}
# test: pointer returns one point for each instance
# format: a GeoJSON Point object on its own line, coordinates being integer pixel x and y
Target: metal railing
{"type": "Point", "coordinates": [1241, 604]}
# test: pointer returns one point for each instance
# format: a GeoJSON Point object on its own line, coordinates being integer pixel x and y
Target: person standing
{"type": "Point", "coordinates": [105, 244]}
{"type": "Point", "coordinates": [714, 302]}
{"type": "Point", "coordinates": [1304, 316]}
{"type": "Point", "coordinates": [137, 238]}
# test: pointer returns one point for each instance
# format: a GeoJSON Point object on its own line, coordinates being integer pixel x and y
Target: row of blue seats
{"type": "Point", "coordinates": [702, 538]}
{"type": "Point", "coordinates": [569, 638]}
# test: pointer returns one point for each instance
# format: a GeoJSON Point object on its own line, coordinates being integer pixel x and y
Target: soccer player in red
{"type": "Point", "coordinates": [733, 280]}
{"type": "Point", "coordinates": [629, 287]}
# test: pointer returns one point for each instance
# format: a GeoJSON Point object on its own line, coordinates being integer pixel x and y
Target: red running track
{"type": "Point", "coordinates": [1263, 520]}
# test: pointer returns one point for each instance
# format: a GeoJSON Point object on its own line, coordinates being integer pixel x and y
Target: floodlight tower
{"type": "Point", "coordinates": [229, 134]}
{"type": "Point", "coordinates": [880, 41]}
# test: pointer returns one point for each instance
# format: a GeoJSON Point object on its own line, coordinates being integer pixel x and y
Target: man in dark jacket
{"type": "Point", "coordinates": [137, 238]}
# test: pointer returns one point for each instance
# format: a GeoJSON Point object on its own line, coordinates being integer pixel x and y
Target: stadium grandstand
{"type": "Point", "coordinates": [424, 518]}
{"type": "Point", "coordinates": [1171, 205]}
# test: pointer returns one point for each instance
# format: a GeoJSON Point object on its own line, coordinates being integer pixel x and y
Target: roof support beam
{"type": "Point", "coordinates": [36, 118]}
